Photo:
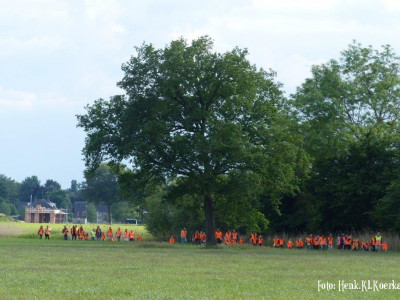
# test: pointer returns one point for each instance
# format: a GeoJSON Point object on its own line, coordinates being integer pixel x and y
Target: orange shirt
{"type": "Point", "coordinates": [171, 240]}
{"type": "Point", "coordinates": [183, 233]}
{"type": "Point", "coordinates": [118, 233]}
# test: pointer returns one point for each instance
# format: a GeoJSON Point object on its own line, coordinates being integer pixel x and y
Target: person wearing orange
{"type": "Point", "coordinates": [241, 240]}
{"type": "Point", "coordinates": [253, 238]}
{"type": "Point", "coordinates": [126, 235]}
{"type": "Point", "coordinates": [196, 238]}
{"type": "Point", "coordinates": [103, 236]}
{"type": "Point", "coordinates": [299, 243]}
{"type": "Point", "coordinates": [109, 233]}
{"type": "Point", "coordinates": [73, 232]}
{"type": "Point", "coordinates": [260, 240]}
{"type": "Point", "coordinates": [373, 244]}
{"type": "Point", "coordinates": [234, 237]}
{"type": "Point", "coordinates": [322, 242]}
{"type": "Point", "coordinates": [276, 242]}
{"type": "Point", "coordinates": [65, 232]}
{"type": "Point", "coordinates": [81, 233]}
{"type": "Point", "coordinates": [218, 236]}
{"type": "Point", "coordinates": [131, 236]}
{"type": "Point", "coordinates": [347, 242]}
{"type": "Point", "coordinates": [315, 242]}
{"type": "Point", "coordinates": [203, 237]}
{"type": "Point", "coordinates": [172, 240]}
{"type": "Point", "coordinates": [384, 246]}
{"type": "Point", "coordinates": [139, 237]}
{"type": "Point", "coordinates": [118, 234]}
{"type": "Point", "coordinates": [330, 241]}
{"type": "Point", "coordinates": [40, 232]}
{"type": "Point", "coordinates": [228, 237]}
{"type": "Point", "coordinates": [183, 236]}
{"type": "Point", "coordinates": [355, 245]}
{"type": "Point", "coordinates": [290, 244]}
{"type": "Point", "coordinates": [309, 241]}
{"type": "Point", "coordinates": [86, 236]}
{"type": "Point", "coordinates": [47, 233]}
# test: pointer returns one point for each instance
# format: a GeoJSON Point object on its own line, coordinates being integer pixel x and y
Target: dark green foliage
{"type": "Point", "coordinates": [349, 111]}
{"type": "Point", "coordinates": [199, 116]}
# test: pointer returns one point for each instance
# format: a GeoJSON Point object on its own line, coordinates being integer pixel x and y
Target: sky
{"type": "Point", "coordinates": [57, 56]}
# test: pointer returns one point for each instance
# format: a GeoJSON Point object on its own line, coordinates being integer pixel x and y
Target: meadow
{"type": "Point", "coordinates": [46, 269]}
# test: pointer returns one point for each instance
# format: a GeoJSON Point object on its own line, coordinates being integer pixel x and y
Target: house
{"type": "Point", "coordinates": [44, 211]}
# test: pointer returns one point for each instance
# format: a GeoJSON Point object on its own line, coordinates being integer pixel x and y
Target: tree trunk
{"type": "Point", "coordinates": [210, 223]}
{"type": "Point", "coordinates": [109, 214]}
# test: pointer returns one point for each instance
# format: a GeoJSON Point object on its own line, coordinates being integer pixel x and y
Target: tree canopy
{"type": "Point", "coordinates": [199, 118]}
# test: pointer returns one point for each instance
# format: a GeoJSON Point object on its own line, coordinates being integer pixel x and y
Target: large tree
{"type": "Point", "coordinates": [199, 116]}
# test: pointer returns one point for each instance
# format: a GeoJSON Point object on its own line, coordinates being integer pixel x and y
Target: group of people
{"type": "Point", "coordinates": [79, 233]}
{"type": "Point", "coordinates": [321, 242]}
{"type": "Point", "coordinates": [45, 231]}
{"type": "Point", "coordinates": [230, 237]}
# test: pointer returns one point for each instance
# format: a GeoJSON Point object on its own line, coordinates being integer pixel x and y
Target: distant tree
{"type": "Point", "coordinates": [30, 186]}
{"type": "Point", "coordinates": [50, 186]}
{"type": "Point", "coordinates": [75, 193]}
{"type": "Point", "coordinates": [9, 189]}
{"type": "Point", "coordinates": [102, 187]}
{"type": "Point", "coordinates": [91, 213]}
{"type": "Point", "coordinates": [5, 208]}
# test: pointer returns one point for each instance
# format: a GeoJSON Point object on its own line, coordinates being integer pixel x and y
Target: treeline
{"type": "Point", "coordinates": [347, 113]}
{"type": "Point", "coordinates": [14, 196]}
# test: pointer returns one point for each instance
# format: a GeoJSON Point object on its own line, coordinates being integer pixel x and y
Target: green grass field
{"type": "Point", "coordinates": [57, 269]}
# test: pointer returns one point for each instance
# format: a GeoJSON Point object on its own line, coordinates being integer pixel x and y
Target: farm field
{"type": "Point", "coordinates": [57, 269]}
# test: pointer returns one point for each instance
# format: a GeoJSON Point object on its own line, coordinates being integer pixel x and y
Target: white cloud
{"type": "Point", "coordinates": [16, 100]}
{"type": "Point", "coordinates": [304, 5]}
{"type": "Point", "coordinates": [391, 4]}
